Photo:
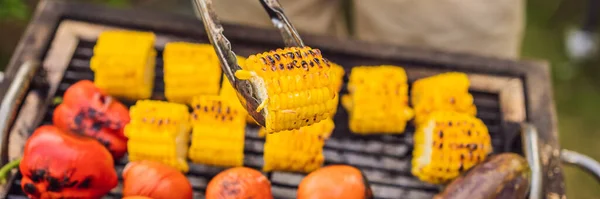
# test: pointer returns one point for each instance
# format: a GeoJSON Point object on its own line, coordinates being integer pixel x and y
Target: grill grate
{"type": "Point", "coordinates": [385, 159]}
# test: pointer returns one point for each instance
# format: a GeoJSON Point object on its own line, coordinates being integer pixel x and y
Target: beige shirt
{"type": "Point", "coordinates": [491, 28]}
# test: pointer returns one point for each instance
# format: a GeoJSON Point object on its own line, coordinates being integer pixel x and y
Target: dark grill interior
{"type": "Point", "coordinates": [384, 159]}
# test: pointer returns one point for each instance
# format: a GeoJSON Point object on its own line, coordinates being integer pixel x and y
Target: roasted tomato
{"type": "Point", "coordinates": [60, 164]}
{"type": "Point", "coordinates": [88, 110]}
{"type": "Point", "coordinates": [239, 183]}
{"type": "Point", "coordinates": [155, 180]}
{"type": "Point", "coordinates": [136, 197]}
{"type": "Point", "coordinates": [505, 175]}
{"type": "Point", "coordinates": [335, 182]}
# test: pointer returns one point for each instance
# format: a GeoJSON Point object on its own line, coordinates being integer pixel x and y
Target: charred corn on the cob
{"type": "Point", "coordinates": [448, 143]}
{"type": "Point", "coordinates": [190, 70]}
{"type": "Point", "coordinates": [444, 92]}
{"type": "Point", "coordinates": [124, 62]}
{"type": "Point", "coordinates": [294, 86]}
{"type": "Point", "coordinates": [218, 131]}
{"type": "Point", "coordinates": [159, 131]}
{"type": "Point", "coordinates": [377, 100]}
{"type": "Point", "coordinates": [298, 150]}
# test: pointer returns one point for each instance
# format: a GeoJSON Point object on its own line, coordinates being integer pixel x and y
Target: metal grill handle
{"type": "Point", "coordinates": [582, 161]}
{"type": "Point", "coordinates": [16, 88]}
{"type": "Point", "coordinates": [532, 152]}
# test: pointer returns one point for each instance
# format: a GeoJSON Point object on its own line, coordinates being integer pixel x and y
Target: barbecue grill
{"type": "Point", "coordinates": [513, 98]}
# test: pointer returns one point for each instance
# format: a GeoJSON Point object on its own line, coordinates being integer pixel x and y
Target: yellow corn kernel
{"type": "Point", "coordinates": [337, 75]}
{"type": "Point", "coordinates": [190, 70]}
{"type": "Point", "coordinates": [218, 131]}
{"type": "Point", "coordinates": [448, 143]}
{"type": "Point", "coordinates": [159, 131]}
{"type": "Point", "coordinates": [443, 92]}
{"type": "Point", "coordinates": [298, 150]}
{"type": "Point", "coordinates": [378, 100]}
{"type": "Point", "coordinates": [124, 63]}
{"type": "Point", "coordinates": [294, 85]}
{"type": "Point", "coordinates": [229, 92]}
{"type": "Point", "coordinates": [325, 126]}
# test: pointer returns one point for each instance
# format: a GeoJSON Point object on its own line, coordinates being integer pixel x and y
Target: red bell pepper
{"type": "Point", "coordinates": [60, 164]}
{"type": "Point", "coordinates": [88, 110]}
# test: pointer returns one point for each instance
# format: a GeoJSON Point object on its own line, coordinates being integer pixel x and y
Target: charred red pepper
{"type": "Point", "coordinates": [60, 164]}
{"type": "Point", "coordinates": [88, 110]}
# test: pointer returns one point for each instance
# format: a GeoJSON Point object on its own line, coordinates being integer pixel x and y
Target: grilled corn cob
{"type": "Point", "coordinates": [337, 75]}
{"type": "Point", "coordinates": [159, 131]}
{"type": "Point", "coordinates": [298, 150]}
{"type": "Point", "coordinates": [218, 131]}
{"type": "Point", "coordinates": [377, 100]}
{"type": "Point", "coordinates": [294, 86]}
{"type": "Point", "coordinates": [447, 144]}
{"type": "Point", "coordinates": [444, 92]}
{"type": "Point", "coordinates": [124, 63]}
{"type": "Point", "coordinates": [190, 70]}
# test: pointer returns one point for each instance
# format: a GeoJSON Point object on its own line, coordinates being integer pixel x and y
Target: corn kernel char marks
{"type": "Point", "coordinates": [159, 131]}
{"type": "Point", "coordinates": [218, 131]}
{"type": "Point", "coordinates": [443, 92]}
{"type": "Point", "coordinates": [216, 109]}
{"type": "Point", "coordinates": [298, 86]}
{"type": "Point", "coordinates": [377, 100]}
{"type": "Point", "coordinates": [447, 144]}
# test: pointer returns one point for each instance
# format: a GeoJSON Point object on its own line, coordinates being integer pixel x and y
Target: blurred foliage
{"type": "Point", "coordinates": [16, 9]}
{"type": "Point", "coordinates": [576, 85]}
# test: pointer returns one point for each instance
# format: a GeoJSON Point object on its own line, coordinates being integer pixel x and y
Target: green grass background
{"type": "Point", "coordinates": [576, 85]}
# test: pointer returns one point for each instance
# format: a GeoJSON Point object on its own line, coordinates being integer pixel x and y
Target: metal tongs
{"type": "Point", "coordinates": [247, 92]}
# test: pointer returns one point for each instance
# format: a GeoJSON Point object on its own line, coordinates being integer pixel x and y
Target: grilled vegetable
{"type": "Point", "coordinates": [124, 62]}
{"type": "Point", "coordinates": [444, 92]}
{"type": "Point", "coordinates": [337, 75]}
{"type": "Point", "coordinates": [229, 93]}
{"type": "Point", "coordinates": [297, 150]}
{"type": "Point", "coordinates": [239, 182]}
{"type": "Point", "coordinates": [60, 164]}
{"type": "Point", "coordinates": [377, 100]}
{"type": "Point", "coordinates": [324, 128]}
{"type": "Point", "coordinates": [155, 180]}
{"type": "Point", "coordinates": [87, 110]}
{"type": "Point", "coordinates": [159, 131]}
{"type": "Point", "coordinates": [218, 131]}
{"type": "Point", "coordinates": [448, 143]}
{"type": "Point", "coordinates": [293, 84]}
{"type": "Point", "coordinates": [184, 63]}
{"type": "Point", "coordinates": [502, 176]}
{"type": "Point", "coordinates": [335, 182]}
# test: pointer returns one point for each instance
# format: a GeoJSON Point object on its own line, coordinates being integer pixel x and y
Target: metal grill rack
{"type": "Point", "coordinates": [61, 36]}
{"type": "Point", "coordinates": [385, 159]}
